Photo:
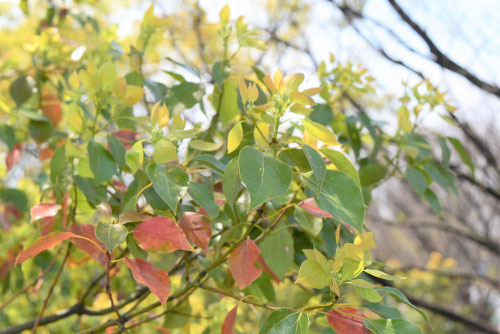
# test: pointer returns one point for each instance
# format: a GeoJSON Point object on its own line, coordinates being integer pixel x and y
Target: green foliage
{"type": "Point", "coordinates": [273, 189]}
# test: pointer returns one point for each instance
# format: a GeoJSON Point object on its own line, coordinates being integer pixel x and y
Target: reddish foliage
{"type": "Point", "coordinates": [91, 248]}
{"type": "Point", "coordinates": [310, 206]}
{"type": "Point", "coordinates": [230, 321]}
{"type": "Point", "coordinates": [242, 263]}
{"type": "Point", "coordinates": [41, 244]}
{"type": "Point", "coordinates": [155, 279]}
{"type": "Point", "coordinates": [161, 234]}
{"type": "Point", "coordinates": [13, 156]}
{"type": "Point", "coordinates": [196, 228]}
{"type": "Point", "coordinates": [344, 323]}
{"type": "Point", "coordinates": [43, 210]}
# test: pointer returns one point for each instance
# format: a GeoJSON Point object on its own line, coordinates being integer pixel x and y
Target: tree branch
{"type": "Point", "coordinates": [440, 58]}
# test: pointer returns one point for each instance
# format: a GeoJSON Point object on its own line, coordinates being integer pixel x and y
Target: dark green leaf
{"type": "Point", "coordinates": [371, 174]}
{"type": "Point", "coordinates": [286, 321]}
{"type": "Point", "coordinates": [340, 196]}
{"type": "Point", "coordinates": [316, 162]}
{"type": "Point", "coordinates": [417, 179]}
{"type": "Point", "coordinates": [101, 162]}
{"type": "Point", "coordinates": [20, 90]}
{"type": "Point", "coordinates": [204, 197]}
{"type": "Point", "coordinates": [8, 136]}
{"type": "Point", "coordinates": [231, 181]}
{"type": "Point", "coordinates": [391, 326]}
{"type": "Point", "coordinates": [265, 177]}
{"type": "Point", "coordinates": [117, 150]}
{"type": "Point", "coordinates": [170, 182]}
{"type": "Point", "coordinates": [277, 250]}
{"type": "Point", "coordinates": [462, 152]}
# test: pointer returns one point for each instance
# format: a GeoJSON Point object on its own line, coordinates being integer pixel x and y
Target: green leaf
{"type": "Point", "coordinates": [117, 150]}
{"type": "Point", "coordinates": [316, 162]}
{"type": "Point", "coordinates": [101, 162]}
{"type": "Point", "coordinates": [57, 163]}
{"type": "Point", "coordinates": [433, 201]}
{"type": "Point", "coordinates": [445, 152]}
{"type": "Point", "coordinates": [462, 152]}
{"type": "Point", "coordinates": [391, 326]}
{"type": "Point", "coordinates": [94, 194]}
{"type": "Point", "coordinates": [204, 197]}
{"type": "Point", "coordinates": [265, 177]}
{"type": "Point", "coordinates": [340, 196]}
{"type": "Point", "coordinates": [231, 182]}
{"type": "Point", "coordinates": [295, 157]}
{"type": "Point", "coordinates": [313, 271]}
{"type": "Point", "coordinates": [229, 110]}
{"type": "Point", "coordinates": [184, 96]}
{"type": "Point", "coordinates": [285, 321]}
{"type": "Point", "coordinates": [8, 136]}
{"type": "Point", "coordinates": [277, 250]}
{"type": "Point", "coordinates": [395, 293]}
{"type": "Point", "coordinates": [202, 145]}
{"type": "Point", "coordinates": [20, 90]}
{"type": "Point", "coordinates": [164, 151]}
{"type": "Point", "coordinates": [441, 176]}
{"type": "Point", "coordinates": [384, 310]}
{"type": "Point", "coordinates": [111, 235]}
{"type": "Point", "coordinates": [211, 162]}
{"type": "Point", "coordinates": [369, 294]}
{"type": "Point", "coordinates": [308, 222]}
{"type": "Point", "coordinates": [135, 250]}
{"type": "Point", "coordinates": [417, 179]}
{"type": "Point", "coordinates": [183, 134]}
{"type": "Point", "coordinates": [170, 182]}
{"type": "Point", "coordinates": [342, 163]}
{"type": "Point", "coordinates": [381, 274]}
{"type": "Point", "coordinates": [135, 157]}
{"type": "Point", "coordinates": [371, 174]}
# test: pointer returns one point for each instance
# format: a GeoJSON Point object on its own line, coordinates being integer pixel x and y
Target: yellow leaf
{"type": "Point", "coordinates": [277, 78]}
{"type": "Point", "coordinates": [321, 132]}
{"type": "Point", "coordinates": [234, 137]}
{"type": "Point", "coordinates": [264, 130]}
{"type": "Point", "coordinates": [308, 139]}
{"type": "Point", "coordinates": [300, 109]}
{"type": "Point", "coordinates": [293, 81]}
{"type": "Point", "coordinates": [87, 80]}
{"type": "Point", "coordinates": [312, 91]}
{"type": "Point", "coordinates": [73, 80]}
{"type": "Point", "coordinates": [224, 15]}
{"type": "Point", "coordinates": [243, 90]}
{"type": "Point", "coordinates": [269, 83]}
{"type": "Point", "coordinates": [177, 122]}
{"type": "Point", "coordinates": [253, 92]}
{"type": "Point", "coordinates": [133, 94]}
{"type": "Point", "coordinates": [160, 115]}
{"type": "Point", "coordinates": [108, 75]}
{"type": "Point", "coordinates": [301, 98]}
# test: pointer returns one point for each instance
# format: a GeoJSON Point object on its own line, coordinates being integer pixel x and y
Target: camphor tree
{"type": "Point", "coordinates": [207, 197]}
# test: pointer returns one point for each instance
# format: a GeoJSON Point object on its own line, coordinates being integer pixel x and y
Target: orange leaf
{"type": "Point", "coordinates": [241, 263]}
{"type": "Point", "coordinates": [155, 279]}
{"type": "Point", "coordinates": [43, 210]}
{"type": "Point", "coordinates": [230, 321]}
{"type": "Point", "coordinates": [310, 206]}
{"type": "Point", "coordinates": [161, 234]}
{"type": "Point", "coordinates": [41, 244]}
{"type": "Point", "coordinates": [88, 231]}
{"type": "Point", "coordinates": [344, 323]}
{"type": "Point", "coordinates": [196, 228]}
{"type": "Point", "coordinates": [13, 157]}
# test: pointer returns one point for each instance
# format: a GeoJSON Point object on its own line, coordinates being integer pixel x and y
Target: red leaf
{"type": "Point", "coordinates": [196, 228]}
{"type": "Point", "coordinates": [344, 323]}
{"type": "Point", "coordinates": [88, 231]}
{"type": "Point", "coordinates": [310, 206]}
{"type": "Point", "coordinates": [155, 279]}
{"type": "Point", "coordinates": [43, 210]}
{"type": "Point", "coordinates": [230, 321]}
{"type": "Point", "coordinates": [264, 266]}
{"type": "Point", "coordinates": [161, 234]}
{"type": "Point", "coordinates": [47, 225]}
{"type": "Point", "coordinates": [126, 136]}
{"type": "Point", "coordinates": [241, 263]}
{"type": "Point", "coordinates": [41, 244]}
{"type": "Point", "coordinates": [13, 157]}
